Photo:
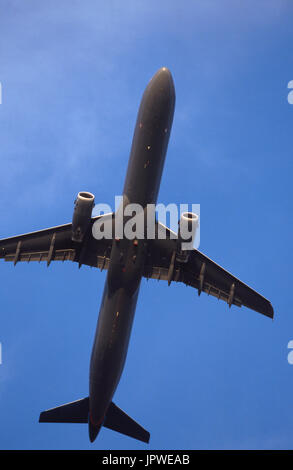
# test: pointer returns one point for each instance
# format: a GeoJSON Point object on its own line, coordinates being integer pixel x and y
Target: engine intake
{"type": "Point", "coordinates": [188, 224]}
{"type": "Point", "coordinates": [83, 206]}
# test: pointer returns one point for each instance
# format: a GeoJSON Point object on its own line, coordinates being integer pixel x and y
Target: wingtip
{"type": "Point", "coordinates": [268, 311]}
{"type": "Point", "coordinates": [42, 417]}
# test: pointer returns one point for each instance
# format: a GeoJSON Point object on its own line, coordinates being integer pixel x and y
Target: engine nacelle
{"type": "Point", "coordinates": [188, 224]}
{"type": "Point", "coordinates": [82, 214]}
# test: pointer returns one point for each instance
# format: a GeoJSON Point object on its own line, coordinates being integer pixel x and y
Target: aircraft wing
{"type": "Point", "coordinates": [201, 273]}
{"type": "Point", "coordinates": [55, 244]}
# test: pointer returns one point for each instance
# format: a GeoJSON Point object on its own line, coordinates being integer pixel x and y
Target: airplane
{"type": "Point", "coordinates": [127, 261]}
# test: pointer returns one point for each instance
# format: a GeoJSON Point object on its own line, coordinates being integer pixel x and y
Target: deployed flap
{"type": "Point", "coordinates": [202, 273]}
{"type": "Point", "coordinates": [119, 421]}
{"type": "Point", "coordinates": [73, 412]}
{"type": "Point", "coordinates": [55, 244]}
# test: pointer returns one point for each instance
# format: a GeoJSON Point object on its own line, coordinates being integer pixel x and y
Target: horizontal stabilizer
{"type": "Point", "coordinates": [119, 421]}
{"type": "Point", "coordinates": [78, 412]}
{"type": "Point", "coordinates": [73, 412]}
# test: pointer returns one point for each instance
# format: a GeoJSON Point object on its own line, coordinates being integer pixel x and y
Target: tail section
{"type": "Point", "coordinates": [94, 429]}
{"type": "Point", "coordinates": [73, 412]}
{"type": "Point", "coordinates": [119, 421]}
{"type": "Point", "coordinates": [78, 412]}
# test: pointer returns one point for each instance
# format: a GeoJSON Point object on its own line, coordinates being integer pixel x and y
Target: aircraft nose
{"type": "Point", "coordinates": [164, 76]}
{"type": "Point", "coordinates": [165, 72]}
{"type": "Point", "coordinates": [163, 80]}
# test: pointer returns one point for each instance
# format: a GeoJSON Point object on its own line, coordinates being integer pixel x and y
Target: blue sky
{"type": "Point", "coordinates": [198, 374]}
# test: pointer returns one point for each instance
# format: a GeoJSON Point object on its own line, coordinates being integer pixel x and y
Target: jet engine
{"type": "Point", "coordinates": [83, 206]}
{"type": "Point", "coordinates": [188, 224]}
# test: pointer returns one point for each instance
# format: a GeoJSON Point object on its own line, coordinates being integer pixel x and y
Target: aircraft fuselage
{"type": "Point", "coordinates": [127, 257]}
